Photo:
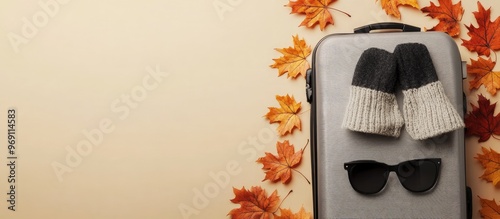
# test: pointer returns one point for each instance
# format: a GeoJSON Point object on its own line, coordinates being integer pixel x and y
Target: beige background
{"type": "Point", "coordinates": [197, 129]}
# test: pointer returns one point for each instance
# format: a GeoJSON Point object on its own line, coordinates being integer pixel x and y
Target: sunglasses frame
{"type": "Point", "coordinates": [393, 168]}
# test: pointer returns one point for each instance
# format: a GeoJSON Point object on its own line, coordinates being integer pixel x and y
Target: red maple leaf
{"type": "Point", "coordinates": [486, 36]}
{"type": "Point", "coordinates": [254, 203]}
{"type": "Point", "coordinates": [481, 121]}
{"type": "Point", "coordinates": [448, 14]}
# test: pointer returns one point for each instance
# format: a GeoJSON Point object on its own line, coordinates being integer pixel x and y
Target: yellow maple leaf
{"type": "Point", "coordinates": [316, 12]}
{"type": "Point", "coordinates": [490, 160]}
{"type": "Point", "coordinates": [391, 6]}
{"type": "Point", "coordinates": [286, 115]}
{"type": "Point", "coordinates": [287, 214]}
{"type": "Point", "coordinates": [483, 73]}
{"type": "Point", "coordinates": [293, 60]}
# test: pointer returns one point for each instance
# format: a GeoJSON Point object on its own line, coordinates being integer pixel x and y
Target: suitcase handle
{"type": "Point", "coordinates": [385, 26]}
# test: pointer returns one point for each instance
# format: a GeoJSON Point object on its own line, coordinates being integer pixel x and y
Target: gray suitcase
{"type": "Point", "coordinates": [333, 64]}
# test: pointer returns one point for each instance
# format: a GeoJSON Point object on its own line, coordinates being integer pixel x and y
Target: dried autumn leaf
{"type": "Point", "coordinates": [254, 203]}
{"type": "Point", "coordinates": [391, 6]}
{"type": "Point", "coordinates": [490, 160]}
{"type": "Point", "coordinates": [483, 73]}
{"type": "Point", "coordinates": [489, 209]}
{"type": "Point", "coordinates": [481, 121]}
{"type": "Point", "coordinates": [316, 11]}
{"type": "Point", "coordinates": [286, 115]}
{"type": "Point", "coordinates": [293, 60]}
{"type": "Point", "coordinates": [485, 37]}
{"type": "Point", "coordinates": [280, 167]}
{"type": "Point", "coordinates": [287, 214]}
{"type": "Point", "coordinates": [448, 14]}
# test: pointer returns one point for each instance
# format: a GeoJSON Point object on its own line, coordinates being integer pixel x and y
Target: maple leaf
{"type": "Point", "coordinates": [448, 14]}
{"type": "Point", "coordinates": [287, 214]}
{"type": "Point", "coordinates": [483, 73]}
{"type": "Point", "coordinates": [481, 121]}
{"type": "Point", "coordinates": [280, 167]}
{"type": "Point", "coordinates": [485, 37]}
{"type": "Point", "coordinates": [316, 12]}
{"type": "Point", "coordinates": [293, 60]}
{"type": "Point", "coordinates": [391, 6]}
{"type": "Point", "coordinates": [490, 160]}
{"type": "Point", "coordinates": [254, 203]}
{"type": "Point", "coordinates": [489, 209]}
{"type": "Point", "coordinates": [286, 115]}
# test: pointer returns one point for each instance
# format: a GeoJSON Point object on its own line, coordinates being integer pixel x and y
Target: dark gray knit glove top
{"type": "Point", "coordinates": [376, 70]}
{"type": "Point", "coordinates": [414, 65]}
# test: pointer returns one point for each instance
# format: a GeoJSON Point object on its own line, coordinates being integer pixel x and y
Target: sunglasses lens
{"type": "Point", "coordinates": [368, 178]}
{"type": "Point", "coordinates": [418, 175]}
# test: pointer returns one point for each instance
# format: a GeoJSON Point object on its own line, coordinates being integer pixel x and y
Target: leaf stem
{"type": "Point", "coordinates": [302, 176]}
{"type": "Point", "coordinates": [343, 12]}
{"type": "Point", "coordinates": [305, 146]}
{"type": "Point", "coordinates": [279, 206]}
{"type": "Point", "coordinates": [304, 111]}
{"type": "Point", "coordinates": [495, 137]}
{"type": "Point", "coordinates": [324, 6]}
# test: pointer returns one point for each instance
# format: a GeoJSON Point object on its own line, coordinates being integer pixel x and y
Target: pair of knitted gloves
{"type": "Point", "coordinates": [372, 106]}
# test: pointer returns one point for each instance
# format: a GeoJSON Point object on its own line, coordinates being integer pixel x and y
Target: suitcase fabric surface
{"type": "Point", "coordinates": [334, 62]}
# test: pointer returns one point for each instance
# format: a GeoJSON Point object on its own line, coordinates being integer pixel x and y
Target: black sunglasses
{"type": "Point", "coordinates": [370, 177]}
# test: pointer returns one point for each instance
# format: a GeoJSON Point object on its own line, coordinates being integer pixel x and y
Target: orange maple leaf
{"type": "Point", "coordinates": [391, 6]}
{"type": "Point", "coordinates": [293, 60]}
{"type": "Point", "coordinates": [490, 160]}
{"type": "Point", "coordinates": [316, 12]}
{"type": "Point", "coordinates": [287, 214]}
{"type": "Point", "coordinates": [254, 203]}
{"type": "Point", "coordinates": [448, 14]}
{"type": "Point", "coordinates": [483, 73]}
{"type": "Point", "coordinates": [286, 115]}
{"type": "Point", "coordinates": [280, 167]}
{"type": "Point", "coordinates": [489, 209]}
{"type": "Point", "coordinates": [485, 37]}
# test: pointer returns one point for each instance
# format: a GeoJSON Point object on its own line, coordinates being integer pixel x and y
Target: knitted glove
{"type": "Point", "coordinates": [426, 109]}
{"type": "Point", "coordinates": [372, 106]}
